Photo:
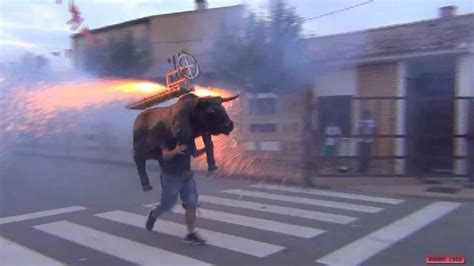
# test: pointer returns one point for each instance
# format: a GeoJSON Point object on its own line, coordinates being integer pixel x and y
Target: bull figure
{"type": "Point", "coordinates": [190, 117]}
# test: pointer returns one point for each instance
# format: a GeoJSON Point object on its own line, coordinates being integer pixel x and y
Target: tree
{"type": "Point", "coordinates": [122, 56]}
{"type": "Point", "coordinates": [270, 54]}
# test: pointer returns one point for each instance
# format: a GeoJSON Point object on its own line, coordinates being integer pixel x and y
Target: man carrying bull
{"type": "Point", "coordinates": [177, 178]}
{"type": "Point", "coordinates": [167, 134]}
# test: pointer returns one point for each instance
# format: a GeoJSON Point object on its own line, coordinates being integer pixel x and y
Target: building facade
{"type": "Point", "coordinates": [417, 81]}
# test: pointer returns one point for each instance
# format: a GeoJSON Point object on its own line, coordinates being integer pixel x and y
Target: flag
{"type": "Point", "coordinates": [76, 19]}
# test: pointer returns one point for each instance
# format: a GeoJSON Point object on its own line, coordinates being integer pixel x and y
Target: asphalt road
{"type": "Point", "coordinates": [58, 211]}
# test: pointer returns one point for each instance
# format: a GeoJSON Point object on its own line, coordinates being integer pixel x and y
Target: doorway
{"type": "Point", "coordinates": [431, 123]}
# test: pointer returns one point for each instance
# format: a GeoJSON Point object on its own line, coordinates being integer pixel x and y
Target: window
{"type": "Point", "coordinates": [263, 128]}
{"type": "Point", "coordinates": [269, 145]}
{"type": "Point", "coordinates": [262, 106]}
{"type": "Point", "coordinates": [335, 110]}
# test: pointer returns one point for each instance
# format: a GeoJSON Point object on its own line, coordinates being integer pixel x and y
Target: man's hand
{"type": "Point", "coordinates": [179, 150]}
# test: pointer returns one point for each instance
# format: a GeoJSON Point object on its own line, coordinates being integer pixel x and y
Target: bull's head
{"type": "Point", "coordinates": [213, 115]}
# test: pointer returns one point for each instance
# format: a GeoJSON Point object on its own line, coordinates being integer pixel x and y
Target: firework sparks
{"type": "Point", "coordinates": [45, 110]}
{"type": "Point", "coordinates": [230, 153]}
{"type": "Point", "coordinates": [32, 109]}
{"type": "Point", "coordinates": [203, 91]}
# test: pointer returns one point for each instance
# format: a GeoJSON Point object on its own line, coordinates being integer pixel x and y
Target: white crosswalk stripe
{"type": "Point", "coordinates": [226, 241]}
{"type": "Point", "coordinates": [295, 212]}
{"type": "Point", "coordinates": [326, 193]}
{"type": "Point", "coordinates": [40, 214]}
{"type": "Point", "coordinates": [262, 224]}
{"type": "Point", "coordinates": [12, 253]}
{"type": "Point", "coordinates": [308, 201]}
{"type": "Point", "coordinates": [128, 250]}
{"type": "Point", "coordinates": [359, 251]}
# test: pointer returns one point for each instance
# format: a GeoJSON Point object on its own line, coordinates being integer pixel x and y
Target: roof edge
{"type": "Point", "coordinates": [391, 26]}
{"type": "Point", "coordinates": [385, 58]}
{"type": "Point", "coordinates": [146, 19]}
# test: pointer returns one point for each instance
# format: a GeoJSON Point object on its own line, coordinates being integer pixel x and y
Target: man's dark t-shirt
{"type": "Point", "coordinates": [180, 162]}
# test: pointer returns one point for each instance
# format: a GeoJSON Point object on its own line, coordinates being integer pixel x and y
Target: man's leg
{"type": "Point", "coordinates": [369, 154]}
{"type": "Point", "coordinates": [190, 216]}
{"type": "Point", "coordinates": [365, 157]}
{"type": "Point", "coordinates": [361, 153]}
{"type": "Point", "coordinates": [157, 211]}
{"type": "Point", "coordinates": [189, 197]}
{"type": "Point", "coordinates": [169, 195]}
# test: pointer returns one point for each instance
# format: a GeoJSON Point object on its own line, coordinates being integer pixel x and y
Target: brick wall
{"type": "Point", "coordinates": [286, 162]}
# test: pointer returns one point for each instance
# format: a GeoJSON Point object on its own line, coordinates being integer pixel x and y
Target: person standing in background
{"type": "Point", "coordinates": [330, 145]}
{"type": "Point", "coordinates": [366, 128]}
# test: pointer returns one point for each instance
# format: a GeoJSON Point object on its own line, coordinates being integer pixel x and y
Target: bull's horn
{"type": "Point", "coordinates": [228, 99]}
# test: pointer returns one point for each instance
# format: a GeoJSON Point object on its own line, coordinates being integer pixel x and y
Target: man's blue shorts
{"type": "Point", "coordinates": [172, 185]}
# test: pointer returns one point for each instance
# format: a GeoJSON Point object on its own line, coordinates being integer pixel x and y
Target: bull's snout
{"type": "Point", "coordinates": [230, 124]}
{"type": "Point", "coordinates": [228, 127]}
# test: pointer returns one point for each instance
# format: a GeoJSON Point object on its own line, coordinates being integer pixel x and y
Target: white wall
{"type": "Point", "coordinates": [403, 74]}
{"type": "Point", "coordinates": [464, 87]}
{"type": "Point", "coordinates": [465, 77]}
{"type": "Point", "coordinates": [336, 81]}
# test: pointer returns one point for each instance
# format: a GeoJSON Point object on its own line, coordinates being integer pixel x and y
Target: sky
{"type": "Point", "coordinates": [39, 26]}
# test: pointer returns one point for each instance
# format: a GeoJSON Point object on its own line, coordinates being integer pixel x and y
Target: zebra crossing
{"type": "Point", "coordinates": [338, 209]}
{"type": "Point", "coordinates": [226, 241]}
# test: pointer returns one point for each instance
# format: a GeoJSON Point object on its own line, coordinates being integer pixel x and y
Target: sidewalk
{"type": "Point", "coordinates": [447, 188]}
{"type": "Point", "coordinates": [403, 186]}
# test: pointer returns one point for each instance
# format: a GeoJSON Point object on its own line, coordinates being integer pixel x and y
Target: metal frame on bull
{"type": "Point", "coordinates": [185, 68]}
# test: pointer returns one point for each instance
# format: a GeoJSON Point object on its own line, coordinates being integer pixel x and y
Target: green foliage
{"type": "Point", "coordinates": [269, 54]}
{"type": "Point", "coordinates": [123, 56]}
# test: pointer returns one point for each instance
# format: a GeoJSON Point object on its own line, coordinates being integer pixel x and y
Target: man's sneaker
{"type": "Point", "coordinates": [194, 239]}
{"type": "Point", "coordinates": [150, 221]}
